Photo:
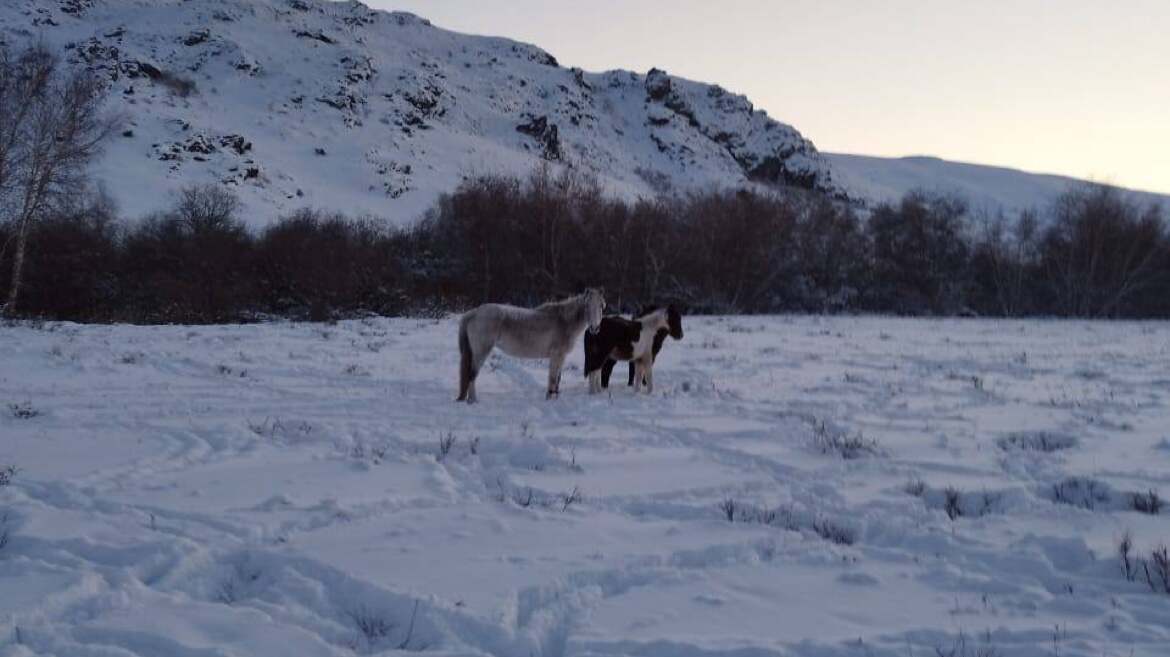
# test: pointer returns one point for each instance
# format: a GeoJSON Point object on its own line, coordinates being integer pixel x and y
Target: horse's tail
{"type": "Point", "coordinates": [466, 368]}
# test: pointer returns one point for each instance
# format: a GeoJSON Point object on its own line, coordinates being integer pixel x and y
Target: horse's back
{"type": "Point", "coordinates": [520, 332]}
{"type": "Point", "coordinates": [499, 311]}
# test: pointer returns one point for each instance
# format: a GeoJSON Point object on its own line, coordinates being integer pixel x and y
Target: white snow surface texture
{"type": "Point", "coordinates": [296, 489]}
{"type": "Point", "coordinates": [340, 107]}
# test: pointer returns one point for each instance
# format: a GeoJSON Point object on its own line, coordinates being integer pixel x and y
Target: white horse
{"type": "Point", "coordinates": [547, 331]}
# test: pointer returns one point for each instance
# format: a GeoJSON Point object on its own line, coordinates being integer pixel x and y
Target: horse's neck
{"type": "Point", "coordinates": [577, 313]}
{"type": "Point", "coordinates": [654, 320]}
{"type": "Point", "coordinates": [569, 311]}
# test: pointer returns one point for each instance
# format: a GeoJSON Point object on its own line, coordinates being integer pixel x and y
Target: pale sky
{"type": "Point", "coordinates": [1077, 87]}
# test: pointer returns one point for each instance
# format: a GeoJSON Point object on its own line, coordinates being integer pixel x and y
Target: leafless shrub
{"type": "Point", "coordinates": [784, 517]}
{"type": "Point", "coordinates": [23, 410]}
{"type": "Point", "coordinates": [273, 428]}
{"type": "Point", "coordinates": [267, 428]}
{"type": "Point", "coordinates": [1157, 569]}
{"type": "Point", "coordinates": [1148, 502]}
{"type": "Point", "coordinates": [570, 498]}
{"type": "Point", "coordinates": [728, 507]}
{"type": "Point", "coordinates": [1038, 441]}
{"type": "Point", "coordinates": [957, 504]}
{"type": "Point", "coordinates": [527, 497]}
{"type": "Point", "coordinates": [1080, 492]}
{"type": "Point", "coordinates": [848, 446]}
{"type": "Point", "coordinates": [988, 502]}
{"type": "Point", "coordinates": [763, 516]}
{"type": "Point", "coordinates": [522, 500]}
{"type": "Point", "coordinates": [832, 531]}
{"type": "Point", "coordinates": [410, 628]}
{"type": "Point", "coordinates": [7, 474]}
{"type": "Point", "coordinates": [206, 209]}
{"type": "Point", "coordinates": [473, 446]}
{"type": "Point", "coordinates": [4, 531]}
{"type": "Point", "coordinates": [951, 503]}
{"type": "Point", "coordinates": [446, 442]}
{"type": "Point", "coordinates": [1124, 552]}
{"type": "Point", "coordinates": [736, 511]}
{"type": "Point", "coordinates": [1155, 566]}
{"type": "Point", "coordinates": [961, 648]}
{"type": "Point", "coordinates": [362, 450]}
{"type": "Point", "coordinates": [374, 627]}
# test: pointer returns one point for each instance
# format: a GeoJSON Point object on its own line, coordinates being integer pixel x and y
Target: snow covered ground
{"type": "Point", "coordinates": [282, 489]}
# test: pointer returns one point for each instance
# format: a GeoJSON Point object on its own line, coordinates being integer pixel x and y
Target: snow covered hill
{"type": "Point", "coordinates": [309, 102]}
{"type": "Point", "coordinates": [337, 106]}
{"type": "Point", "coordinates": [987, 188]}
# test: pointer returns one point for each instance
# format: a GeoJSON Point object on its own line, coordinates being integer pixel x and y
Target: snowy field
{"type": "Point", "coordinates": [894, 487]}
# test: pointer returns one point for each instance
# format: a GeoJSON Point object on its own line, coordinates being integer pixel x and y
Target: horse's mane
{"type": "Point", "coordinates": [566, 308]}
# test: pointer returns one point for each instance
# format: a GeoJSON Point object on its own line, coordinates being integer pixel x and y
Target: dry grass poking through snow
{"type": "Point", "coordinates": [796, 485]}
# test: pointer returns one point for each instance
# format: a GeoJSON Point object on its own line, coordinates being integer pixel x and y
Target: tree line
{"type": "Point", "coordinates": [525, 241]}
{"type": "Point", "coordinates": [66, 254]}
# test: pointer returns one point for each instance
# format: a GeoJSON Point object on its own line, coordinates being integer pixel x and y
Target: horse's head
{"type": "Point", "coordinates": [674, 320]}
{"type": "Point", "coordinates": [594, 307]}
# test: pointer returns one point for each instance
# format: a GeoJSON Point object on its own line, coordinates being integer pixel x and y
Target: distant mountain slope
{"type": "Point", "coordinates": [308, 102]}
{"type": "Point", "coordinates": [985, 187]}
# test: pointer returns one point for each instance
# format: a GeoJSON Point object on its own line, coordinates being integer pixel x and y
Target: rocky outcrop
{"type": "Point", "coordinates": [545, 134]}
{"type": "Point", "coordinates": [407, 108]}
{"type": "Point", "coordinates": [765, 150]}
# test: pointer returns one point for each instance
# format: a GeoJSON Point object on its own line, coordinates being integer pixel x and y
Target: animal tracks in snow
{"type": "Point", "coordinates": [232, 490]}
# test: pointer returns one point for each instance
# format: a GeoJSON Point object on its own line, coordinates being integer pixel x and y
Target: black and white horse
{"type": "Point", "coordinates": [614, 338]}
{"type": "Point", "coordinates": [653, 325]}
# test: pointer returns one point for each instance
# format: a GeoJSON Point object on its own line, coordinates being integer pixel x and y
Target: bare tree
{"type": "Point", "coordinates": [1009, 253]}
{"type": "Point", "coordinates": [1101, 251]}
{"type": "Point", "coordinates": [53, 128]}
{"type": "Point", "coordinates": [204, 208]}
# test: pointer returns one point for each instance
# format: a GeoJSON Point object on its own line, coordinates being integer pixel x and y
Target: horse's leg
{"type": "Point", "coordinates": [466, 368]}
{"type": "Point", "coordinates": [649, 373]}
{"type": "Point", "coordinates": [606, 371]}
{"type": "Point", "coordinates": [642, 375]}
{"type": "Point", "coordinates": [479, 357]}
{"type": "Point", "coordinates": [555, 362]}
